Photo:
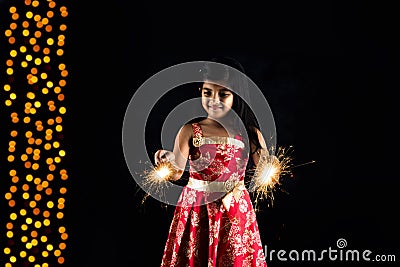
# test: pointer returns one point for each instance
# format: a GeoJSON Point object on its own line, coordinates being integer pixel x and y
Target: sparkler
{"type": "Point", "coordinates": [268, 173]}
{"type": "Point", "coordinates": [157, 178]}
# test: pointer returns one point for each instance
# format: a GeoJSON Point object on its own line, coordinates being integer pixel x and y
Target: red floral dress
{"type": "Point", "coordinates": [209, 227]}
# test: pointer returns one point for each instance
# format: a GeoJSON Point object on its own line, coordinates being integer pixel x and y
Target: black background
{"type": "Point", "coordinates": [329, 72]}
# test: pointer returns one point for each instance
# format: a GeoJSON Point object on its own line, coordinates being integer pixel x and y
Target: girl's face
{"type": "Point", "coordinates": [217, 100]}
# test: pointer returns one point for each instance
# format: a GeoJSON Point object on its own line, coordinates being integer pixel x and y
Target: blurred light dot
{"type": "Point", "coordinates": [34, 234]}
{"type": "Point", "coordinates": [29, 177]}
{"type": "Point", "coordinates": [50, 204]}
{"type": "Point", "coordinates": [36, 211]}
{"type": "Point", "coordinates": [31, 258]}
{"type": "Point", "coordinates": [10, 234]}
{"type": "Point", "coordinates": [46, 222]}
{"type": "Point", "coordinates": [38, 224]}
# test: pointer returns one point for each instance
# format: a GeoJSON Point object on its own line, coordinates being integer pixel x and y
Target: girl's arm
{"type": "Point", "coordinates": [178, 157]}
{"type": "Point", "coordinates": [259, 151]}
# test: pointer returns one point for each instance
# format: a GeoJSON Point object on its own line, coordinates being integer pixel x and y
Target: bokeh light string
{"type": "Point", "coordinates": [36, 77]}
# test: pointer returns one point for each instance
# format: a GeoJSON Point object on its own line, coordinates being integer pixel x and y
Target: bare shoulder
{"type": "Point", "coordinates": [186, 131]}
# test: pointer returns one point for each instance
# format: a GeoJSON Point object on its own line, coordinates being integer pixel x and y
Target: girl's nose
{"type": "Point", "coordinates": [215, 98]}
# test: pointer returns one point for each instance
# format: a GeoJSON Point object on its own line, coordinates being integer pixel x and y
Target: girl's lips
{"type": "Point", "coordinates": [215, 107]}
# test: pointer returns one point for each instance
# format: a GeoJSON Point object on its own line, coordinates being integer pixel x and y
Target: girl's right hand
{"type": "Point", "coordinates": [163, 156]}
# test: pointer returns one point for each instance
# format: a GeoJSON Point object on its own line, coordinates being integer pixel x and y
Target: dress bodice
{"type": "Point", "coordinates": [219, 158]}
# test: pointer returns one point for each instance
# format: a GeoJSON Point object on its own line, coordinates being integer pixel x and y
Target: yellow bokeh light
{"type": "Point", "coordinates": [13, 259]}
{"type": "Point", "coordinates": [29, 177]}
{"type": "Point", "coordinates": [38, 224]}
{"type": "Point", "coordinates": [50, 204]}
{"type": "Point", "coordinates": [10, 234]}
{"type": "Point", "coordinates": [31, 258]}
{"type": "Point", "coordinates": [25, 32]}
{"type": "Point", "coordinates": [10, 71]}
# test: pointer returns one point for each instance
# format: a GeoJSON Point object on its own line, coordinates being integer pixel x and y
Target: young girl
{"type": "Point", "coordinates": [214, 223]}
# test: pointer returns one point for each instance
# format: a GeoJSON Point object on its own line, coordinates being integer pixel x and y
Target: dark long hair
{"type": "Point", "coordinates": [237, 82]}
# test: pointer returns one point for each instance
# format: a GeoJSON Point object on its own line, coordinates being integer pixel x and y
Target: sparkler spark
{"type": "Point", "coordinates": [270, 170]}
{"type": "Point", "coordinates": [157, 178]}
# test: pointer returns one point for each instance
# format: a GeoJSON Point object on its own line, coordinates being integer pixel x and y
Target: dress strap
{"type": "Point", "coordinates": [197, 134]}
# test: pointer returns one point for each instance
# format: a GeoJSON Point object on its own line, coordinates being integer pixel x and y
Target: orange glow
{"type": "Point", "coordinates": [34, 234]}
{"type": "Point", "coordinates": [36, 211]}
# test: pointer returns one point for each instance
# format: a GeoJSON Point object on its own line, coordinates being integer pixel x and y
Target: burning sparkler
{"type": "Point", "coordinates": [157, 178]}
{"type": "Point", "coordinates": [268, 173]}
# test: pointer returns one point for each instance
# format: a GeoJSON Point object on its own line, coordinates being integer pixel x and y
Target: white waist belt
{"type": "Point", "coordinates": [215, 186]}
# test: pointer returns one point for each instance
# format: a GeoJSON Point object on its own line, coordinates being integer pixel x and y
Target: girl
{"type": "Point", "coordinates": [214, 223]}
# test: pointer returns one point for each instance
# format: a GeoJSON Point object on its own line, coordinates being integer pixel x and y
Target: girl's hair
{"type": "Point", "coordinates": [237, 82]}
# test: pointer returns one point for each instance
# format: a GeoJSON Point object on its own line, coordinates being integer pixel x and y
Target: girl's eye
{"type": "Point", "coordinates": [223, 95]}
{"type": "Point", "coordinates": [206, 93]}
